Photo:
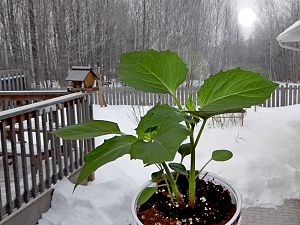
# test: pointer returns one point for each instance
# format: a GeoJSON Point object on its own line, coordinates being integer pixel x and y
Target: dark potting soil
{"type": "Point", "coordinates": [213, 206]}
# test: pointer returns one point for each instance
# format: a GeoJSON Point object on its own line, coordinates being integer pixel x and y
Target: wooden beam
{"type": "Point", "coordinates": [38, 105]}
{"type": "Point", "coordinates": [31, 95]}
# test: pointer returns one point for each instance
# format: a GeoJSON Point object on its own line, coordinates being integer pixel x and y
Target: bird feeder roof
{"type": "Point", "coordinates": [79, 73]}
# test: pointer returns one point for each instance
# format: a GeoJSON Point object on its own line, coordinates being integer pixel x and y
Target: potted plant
{"type": "Point", "coordinates": [176, 195]}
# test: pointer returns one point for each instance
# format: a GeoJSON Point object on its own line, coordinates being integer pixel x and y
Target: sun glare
{"type": "Point", "coordinates": [247, 17]}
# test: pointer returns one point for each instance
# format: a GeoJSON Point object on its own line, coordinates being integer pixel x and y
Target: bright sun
{"type": "Point", "coordinates": [247, 17]}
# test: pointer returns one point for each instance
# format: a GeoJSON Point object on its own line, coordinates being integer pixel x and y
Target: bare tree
{"type": "Point", "coordinates": [48, 37]}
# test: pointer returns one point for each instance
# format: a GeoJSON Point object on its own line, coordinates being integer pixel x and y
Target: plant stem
{"type": "Point", "coordinates": [180, 107]}
{"type": "Point", "coordinates": [172, 181]}
{"type": "Point", "coordinates": [158, 166]}
{"type": "Point", "coordinates": [169, 190]}
{"type": "Point", "coordinates": [177, 174]}
{"type": "Point", "coordinates": [192, 177]}
{"type": "Point", "coordinates": [192, 180]}
{"type": "Point", "coordinates": [200, 132]}
{"type": "Point", "coordinates": [176, 101]}
{"type": "Point", "coordinates": [203, 168]}
{"type": "Point", "coordinates": [164, 185]}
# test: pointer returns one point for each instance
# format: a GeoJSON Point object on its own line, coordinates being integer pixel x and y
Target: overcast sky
{"type": "Point", "coordinates": [246, 3]}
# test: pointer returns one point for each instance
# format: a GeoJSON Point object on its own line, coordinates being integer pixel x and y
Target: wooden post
{"type": "Point", "coordinates": [100, 93]}
{"type": "Point", "coordinates": [100, 86]}
{"type": "Point", "coordinates": [286, 94]}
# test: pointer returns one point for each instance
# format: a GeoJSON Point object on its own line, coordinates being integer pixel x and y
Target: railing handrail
{"type": "Point", "coordinates": [38, 105]}
{"type": "Point", "coordinates": [34, 92]}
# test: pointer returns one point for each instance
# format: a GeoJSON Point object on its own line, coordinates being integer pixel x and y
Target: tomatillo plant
{"type": "Point", "coordinates": [161, 132]}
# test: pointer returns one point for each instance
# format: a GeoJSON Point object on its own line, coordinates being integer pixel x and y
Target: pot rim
{"type": "Point", "coordinates": [223, 181]}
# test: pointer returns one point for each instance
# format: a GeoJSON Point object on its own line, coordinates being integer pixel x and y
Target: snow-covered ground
{"type": "Point", "coordinates": [265, 167]}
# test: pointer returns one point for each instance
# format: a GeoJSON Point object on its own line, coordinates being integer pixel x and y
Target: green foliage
{"type": "Point", "coordinates": [178, 168]}
{"type": "Point", "coordinates": [218, 156]}
{"type": "Point", "coordinates": [185, 150]}
{"type": "Point", "coordinates": [162, 130]}
{"type": "Point", "coordinates": [157, 175]}
{"type": "Point", "coordinates": [152, 71]}
{"type": "Point", "coordinates": [109, 151]}
{"type": "Point", "coordinates": [189, 104]}
{"type": "Point", "coordinates": [163, 147]}
{"type": "Point", "coordinates": [157, 142]}
{"type": "Point", "coordinates": [155, 118]}
{"type": "Point", "coordinates": [221, 155]}
{"type": "Point", "coordinates": [145, 195]}
{"type": "Point", "coordinates": [90, 129]}
{"type": "Point", "coordinates": [234, 89]}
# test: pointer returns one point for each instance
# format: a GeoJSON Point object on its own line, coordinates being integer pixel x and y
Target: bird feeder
{"type": "Point", "coordinates": [81, 78]}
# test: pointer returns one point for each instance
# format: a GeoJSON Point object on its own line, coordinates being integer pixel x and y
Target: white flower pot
{"type": "Point", "coordinates": [235, 196]}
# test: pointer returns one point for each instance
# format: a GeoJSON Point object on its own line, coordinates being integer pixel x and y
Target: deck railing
{"type": "Point", "coordinates": [32, 158]}
{"type": "Point", "coordinates": [14, 99]}
{"type": "Point", "coordinates": [12, 80]}
{"type": "Point", "coordinates": [284, 95]}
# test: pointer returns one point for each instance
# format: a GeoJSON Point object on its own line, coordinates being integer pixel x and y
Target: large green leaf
{"type": "Point", "coordinates": [163, 147]}
{"type": "Point", "coordinates": [234, 89]}
{"type": "Point", "coordinates": [90, 129]}
{"type": "Point", "coordinates": [152, 71]}
{"type": "Point", "coordinates": [109, 151]}
{"type": "Point", "coordinates": [156, 117]}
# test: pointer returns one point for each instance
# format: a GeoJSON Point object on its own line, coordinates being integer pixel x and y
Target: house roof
{"type": "Point", "coordinates": [79, 73]}
{"type": "Point", "coordinates": [82, 68]}
{"type": "Point", "coordinates": [290, 35]}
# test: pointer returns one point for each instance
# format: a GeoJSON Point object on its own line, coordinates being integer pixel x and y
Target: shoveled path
{"type": "Point", "coordinates": [287, 214]}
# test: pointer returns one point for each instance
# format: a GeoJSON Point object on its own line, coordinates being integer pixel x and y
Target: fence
{"type": "Point", "coordinates": [129, 96]}
{"type": "Point", "coordinates": [32, 157]}
{"type": "Point", "coordinates": [284, 95]}
{"type": "Point", "coordinates": [12, 80]}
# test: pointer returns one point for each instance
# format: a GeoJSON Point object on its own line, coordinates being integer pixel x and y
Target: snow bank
{"type": "Point", "coordinates": [265, 167]}
{"type": "Point", "coordinates": [105, 201]}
